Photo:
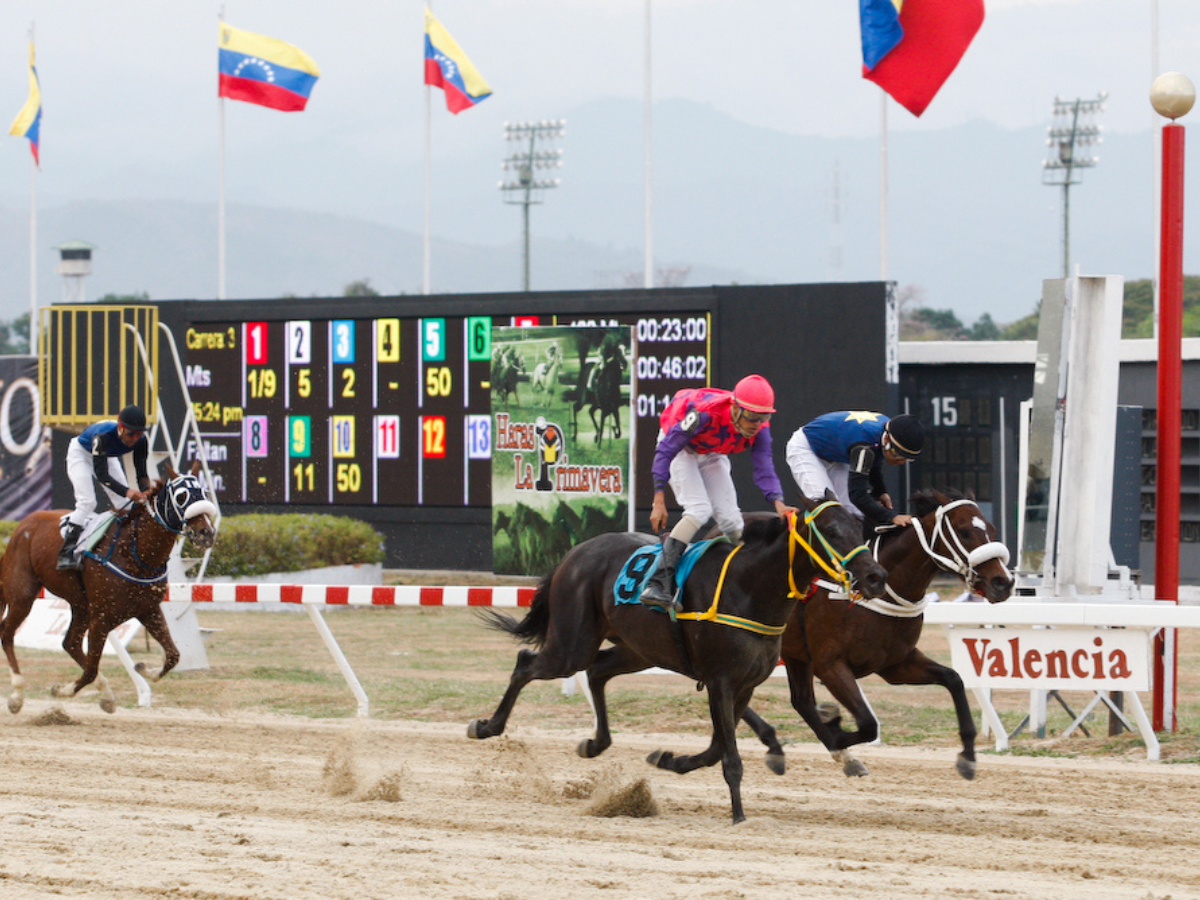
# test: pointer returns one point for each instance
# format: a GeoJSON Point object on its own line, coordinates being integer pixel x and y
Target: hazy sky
{"type": "Point", "coordinates": [132, 83]}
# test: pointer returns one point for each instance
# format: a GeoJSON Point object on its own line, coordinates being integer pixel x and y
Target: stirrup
{"type": "Point", "coordinates": [659, 600]}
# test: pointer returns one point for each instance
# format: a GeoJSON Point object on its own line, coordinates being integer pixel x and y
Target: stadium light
{"type": "Point", "coordinates": [1073, 130]}
{"type": "Point", "coordinates": [527, 165]}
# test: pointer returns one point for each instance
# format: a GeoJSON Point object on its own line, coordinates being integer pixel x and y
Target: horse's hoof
{"type": "Point", "coordinates": [661, 759]}
{"type": "Point", "coordinates": [738, 820]}
{"type": "Point", "coordinates": [589, 749]}
{"type": "Point", "coordinates": [829, 712]}
{"type": "Point", "coordinates": [140, 668]}
{"type": "Point", "coordinates": [855, 769]}
{"type": "Point", "coordinates": [965, 767]}
{"type": "Point", "coordinates": [477, 730]}
{"type": "Point", "coordinates": [15, 704]}
{"type": "Point", "coordinates": [777, 763]}
{"type": "Point", "coordinates": [62, 690]}
{"type": "Point", "coordinates": [108, 705]}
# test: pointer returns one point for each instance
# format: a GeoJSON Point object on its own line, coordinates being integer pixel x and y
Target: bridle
{"type": "Point", "coordinates": [832, 562]}
{"type": "Point", "coordinates": [175, 506]}
{"type": "Point", "coordinates": [956, 559]}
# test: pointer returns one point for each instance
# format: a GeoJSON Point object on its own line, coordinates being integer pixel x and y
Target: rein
{"type": "Point", "coordinates": [170, 509]}
{"type": "Point", "coordinates": [835, 567]}
{"type": "Point", "coordinates": [960, 561]}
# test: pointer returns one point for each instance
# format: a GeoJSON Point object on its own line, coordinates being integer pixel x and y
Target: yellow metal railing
{"type": "Point", "coordinates": [89, 366]}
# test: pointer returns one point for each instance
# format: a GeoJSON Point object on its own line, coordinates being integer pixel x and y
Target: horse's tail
{"type": "Point", "coordinates": [533, 628]}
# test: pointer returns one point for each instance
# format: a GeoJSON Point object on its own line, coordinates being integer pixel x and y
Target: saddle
{"type": "Point", "coordinates": [93, 530]}
{"type": "Point", "coordinates": [644, 562]}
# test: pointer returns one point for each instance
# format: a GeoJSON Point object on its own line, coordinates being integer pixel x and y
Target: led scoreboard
{"type": "Point", "coordinates": [381, 407]}
{"type": "Point", "coordinates": [353, 411]}
{"type": "Point", "coordinates": [389, 411]}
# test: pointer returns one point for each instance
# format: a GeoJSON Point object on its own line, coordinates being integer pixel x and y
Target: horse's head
{"type": "Point", "coordinates": [957, 536]}
{"type": "Point", "coordinates": [835, 545]}
{"type": "Point", "coordinates": [182, 506]}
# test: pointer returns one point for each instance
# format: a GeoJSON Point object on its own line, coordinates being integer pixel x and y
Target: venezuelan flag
{"type": "Point", "coordinates": [881, 31]}
{"type": "Point", "coordinates": [447, 67]}
{"type": "Point", "coordinates": [28, 123]}
{"type": "Point", "coordinates": [263, 70]}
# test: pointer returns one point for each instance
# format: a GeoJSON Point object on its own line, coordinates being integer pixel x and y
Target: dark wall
{"type": "Point", "coordinates": [821, 346]}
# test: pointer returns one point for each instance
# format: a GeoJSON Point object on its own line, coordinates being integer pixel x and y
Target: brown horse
{"type": "Point", "coordinates": [123, 577]}
{"type": "Point", "coordinates": [736, 601]}
{"type": "Point", "coordinates": [840, 642]}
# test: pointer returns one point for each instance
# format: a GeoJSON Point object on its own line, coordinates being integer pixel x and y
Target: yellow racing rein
{"type": "Point", "coordinates": [839, 574]}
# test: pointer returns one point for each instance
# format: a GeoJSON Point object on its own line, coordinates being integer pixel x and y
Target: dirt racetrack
{"type": "Point", "coordinates": [171, 803]}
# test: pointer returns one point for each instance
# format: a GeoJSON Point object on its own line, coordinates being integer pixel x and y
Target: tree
{"type": "Point", "coordinates": [360, 288]}
{"type": "Point", "coordinates": [985, 329]}
{"type": "Point", "coordinates": [125, 299]}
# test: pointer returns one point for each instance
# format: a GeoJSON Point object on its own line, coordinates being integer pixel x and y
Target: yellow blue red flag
{"type": "Point", "coordinates": [262, 70]}
{"type": "Point", "coordinates": [933, 36]}
{"type": "Point", "coordinates": [447, 67]}
{"type": "Point", "coordinates": [28, 123]}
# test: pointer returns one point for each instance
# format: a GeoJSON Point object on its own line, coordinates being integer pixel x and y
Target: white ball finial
{"type": "Point", "coordinates": [1172, 95]}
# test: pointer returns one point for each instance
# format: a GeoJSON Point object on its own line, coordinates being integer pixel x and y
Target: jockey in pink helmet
{"type": "Point", "coordinates": [700, 428]}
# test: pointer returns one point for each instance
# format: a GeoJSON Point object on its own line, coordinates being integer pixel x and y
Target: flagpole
{"type": "Point", "coordinates": [428, 155]}
{"type": "Point", "coordinates": [221, 187]}
{"type": "Point", "coordinates": [883, 187]}
{"type": "Point", "coordinates": [33, 292]}
{"type": "Point", "coordinates": [648, 265]}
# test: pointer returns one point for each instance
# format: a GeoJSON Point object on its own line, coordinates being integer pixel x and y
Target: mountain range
{"type": "Point", "coordinates": [970, 225]}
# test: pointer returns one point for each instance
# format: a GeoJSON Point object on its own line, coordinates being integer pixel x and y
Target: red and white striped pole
{"type": "Point", "coordinates": [1172, 96]}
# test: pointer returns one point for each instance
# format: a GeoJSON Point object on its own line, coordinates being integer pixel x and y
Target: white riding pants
{"type": "Point", "coordinates": [703, 486]}
{"type": "Point", "coordinates": [82, 474]}
{"type": "Point", "coordinates": [815, 475]}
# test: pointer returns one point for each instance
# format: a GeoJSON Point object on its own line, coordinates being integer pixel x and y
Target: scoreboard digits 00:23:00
{"type": "Point", "coordinates": [386, 411]}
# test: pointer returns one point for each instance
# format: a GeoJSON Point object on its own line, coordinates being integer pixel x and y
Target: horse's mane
{"type": "Point", "coordinates": [925, 501]}
{"type": "Point", "coordinates": [764, 527]}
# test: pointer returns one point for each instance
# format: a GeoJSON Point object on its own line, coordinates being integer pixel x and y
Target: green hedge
{"type": "Point", "coordinates": [260, 544]}
{"type": "Point", "coordinates": [255, 544]}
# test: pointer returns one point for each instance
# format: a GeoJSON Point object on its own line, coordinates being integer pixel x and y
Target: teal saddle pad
{"type": "Point", "coordinates": [644, 563]}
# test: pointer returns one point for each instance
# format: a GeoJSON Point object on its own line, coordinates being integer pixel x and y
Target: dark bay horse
{"type": "Point", "coordinates": [839, 642]}
{"type": "Point", "coordinates": [736, 602]}
{"type": "Point", "coordinates": [123, 577]}
{"type": "Point", "coordinates": [600, 390]}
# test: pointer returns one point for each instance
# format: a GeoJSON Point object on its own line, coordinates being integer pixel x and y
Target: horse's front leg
{"type": "Point", "coordinates": [840, 681]}
{"type": "Point", "coordinates": [97, 634]}
{"type": "Point", "coordinates": [723, 748]}
{"type": "Point", "coordinates": [827, 728]}
{"type": "Point", "coordinates": [155, 624]}
{"type": "Point", "coordinates": [917, 668]}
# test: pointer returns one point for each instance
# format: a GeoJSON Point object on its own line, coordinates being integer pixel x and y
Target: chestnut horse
{"type": "Point", "coordinates": [736, 601]}
{"type": "Point", "coordinates": [123, 577]}
{"type": "Point", "coordinates": [839, 641]}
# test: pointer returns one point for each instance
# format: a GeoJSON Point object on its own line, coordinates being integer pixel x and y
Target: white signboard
{"type": "Point", "coordinates": [47, 625]}
{"type": "Point", "coordinates": [1060, 659]}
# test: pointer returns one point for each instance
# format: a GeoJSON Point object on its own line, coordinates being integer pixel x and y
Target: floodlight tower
{"type": "Point", "coordinates": [526, 188]}
{"type": "Point", "coordinates": [1073, 128]}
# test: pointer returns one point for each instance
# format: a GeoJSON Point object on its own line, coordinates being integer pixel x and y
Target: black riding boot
{"type": "Point", "coordinates": [67, 553]}
{"type": "Point", "coordinates": [660, 589]}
